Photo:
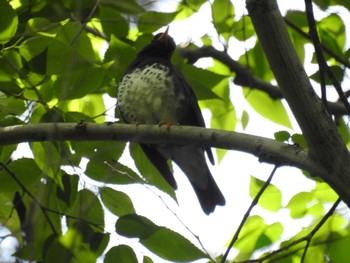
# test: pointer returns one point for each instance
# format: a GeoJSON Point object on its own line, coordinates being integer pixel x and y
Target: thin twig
{"type": "Point", "coordinates": [245, 217]}
{"type": "Point", "coordinates": [323, 66]}
{"type": "Point", "coordinates": [306, 238]}
{"type": "Point", "coordinates": [24, 189]}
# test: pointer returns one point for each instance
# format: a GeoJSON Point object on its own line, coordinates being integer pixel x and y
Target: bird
{"type": "Point", "coordinates": [153, 91]}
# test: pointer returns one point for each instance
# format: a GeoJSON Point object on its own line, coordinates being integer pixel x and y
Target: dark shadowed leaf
{"type": "Point", "coordinates": [117, 202]}
{"type": "Point", "coordinates": [151, 21]}
{"type": "Point", "coordinates": [160, 240]}
{"type": "Point", "coordinates": [122, 253]}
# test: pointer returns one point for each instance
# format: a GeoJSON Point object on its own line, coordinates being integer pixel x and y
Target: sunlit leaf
{"type": "Point", "coordinates": [267, 107]}
{"type": "Point", "coordinates": [271, 199]}
{"type": "Point", "coordinates": [8, 22]}
{"type": "Point", "coordinates": [299, 203]}
{"type": "Point", "coordinates": [282, 136]}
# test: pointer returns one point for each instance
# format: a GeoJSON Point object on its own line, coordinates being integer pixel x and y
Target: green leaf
{"type": "Point", "coordinates": [68, 191]}
{"type": "Point", "coordinates": [42, 26]}
{"type": "Point", "coordinates": [189, 7]}
{"type": "Point", "coordinates": [68, 248]}
{"type": "Point", "coordinates": [48, 157]}
{"type": "Point", "coordinates": [124, 6]}
{"type": "Point", "coordinates": [99, 151]}
{"type": "Point", "coordinates": [274, 232]}
{"type": "Point", "coordinates": [203, 81]}
{"type": "Point", "coordinates": [267, 107]}
{"type": "Point", "coordinates": [86, 206]}
{"type": "Point", "coordinates": [117, 202]}
{"type": "Point", "coordinates": [271, 199]}
{"type": "Point", "coordinates": [121, 54]}
{"type": "Point", "coordinates": [135, 226]}
{"type": "Point", "coordinates": [249, 236]}
{"type": "Point", "coordinates": [75, 84]}
{"type": "Point", "coordinates": [298, 204]}
{"type": "Point", "coordinates": [24, 170]}
{"type": "Point", "coordinates": [343, 130]}
{"type": "Point", "coordinates": [324, 193]}
{"type": "Point", "coordinates": [158, 239]}
{"type": "Point", "coordinates": [223, 17]}
{"type": "Point", "coordinates": [117, 174]}
{"type": "Point", "coordinates": [10, 65]}
{"type": "Point", "coordinates": [70, 50]}
{"type": "Point", "coordinates": [121, 253]}
{"type": "Point", "coordinates": [339, 249]}
{"type": "Point", "coordinates": [299, 140]}
{"type": "Point", "coordinates": [244, 119]}
{"type": "Point", "coordinates": [151, 21]}
{"type": "Point", "coordinates": [334, 26]}
{"type": "Point", "coordinates": [147, 260]}
{"type": "Point", "coordinates": [108, 18]}
{"type": "Point", "coordinates": [298, 18]}
{"type": "Point", "coordinates": [92, 105]}
{"type": "Point", "coordinates": [14, 106]}
{"type": "Point", "coordinates": [221, 10]}
{"type": "Point", "coordinates": [8, 22]}
{"type": "Point", "coordinates": [9, 217]}
{"type": "Point", "coordinates": [243, 29]}
{"type": "Point", "coordinates": [282, 136]}
{"type": "Point", "coordinates": [33, 46]}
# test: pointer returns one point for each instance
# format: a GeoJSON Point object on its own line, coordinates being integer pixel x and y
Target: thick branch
{"type": "Point", "coordinates": [325, 143]}
{"type": "Point", "coordinates": [267, 150]}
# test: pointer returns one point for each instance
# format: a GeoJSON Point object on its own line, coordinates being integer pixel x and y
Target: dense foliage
{"type": "Point", "coordinates": [59, 62]}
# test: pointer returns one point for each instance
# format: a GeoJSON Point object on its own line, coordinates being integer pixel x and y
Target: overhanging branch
{"type": "Point", "coordinates": [267, 150]}
{"type": "Point", "coordinates": [244, 76]}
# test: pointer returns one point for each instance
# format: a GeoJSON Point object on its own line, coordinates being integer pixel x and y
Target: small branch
{"type": "Point", "coordinates": [324, 48]}
{"type": "Point", "coordinates": [244, 77]}
{"type": "Point", "coordinates": [323, 66]}
{"type": "Point", "coordinates": [318, 226]}
{"type": "Point", "coordinates": [246, 215]}
{"type": "Point", "coordinates": [25, 190]}
{"type": "Point", "coordinates": [306, 238]}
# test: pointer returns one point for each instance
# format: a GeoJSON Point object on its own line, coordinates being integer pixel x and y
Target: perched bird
{"type": "Point", "coordinates": [153, 91]}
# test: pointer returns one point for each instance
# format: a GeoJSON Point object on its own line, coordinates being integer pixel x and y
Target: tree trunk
{"type": "Point", "coordinates": [325, 143]}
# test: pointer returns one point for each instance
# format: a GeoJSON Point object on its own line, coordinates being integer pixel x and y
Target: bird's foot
{"type": "Point", "coordinates": [168, 124]}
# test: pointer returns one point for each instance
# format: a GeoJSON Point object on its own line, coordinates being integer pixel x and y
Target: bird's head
{"type": "Point", "coordinates": [162, 45]}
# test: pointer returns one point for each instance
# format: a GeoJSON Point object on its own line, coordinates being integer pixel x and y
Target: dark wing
{"type": "Point", "coordinates": [160, 163]}
{"type": "Point", "coordinates": [194, 116]}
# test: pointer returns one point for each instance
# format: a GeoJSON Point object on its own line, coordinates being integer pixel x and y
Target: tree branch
{"type": "Point", "coordinates": [267, 150]}
{"type": "Point", "coordinates": [244, 77]}
{"type": "Point", "coordinates": [325, 143]}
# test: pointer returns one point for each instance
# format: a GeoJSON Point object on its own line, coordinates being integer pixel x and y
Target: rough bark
{"type": "Point", "coordinates": [325, 143]}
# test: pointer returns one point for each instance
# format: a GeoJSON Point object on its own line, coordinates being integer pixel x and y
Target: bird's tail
{"type": "Point", "coordinates": [209, 197]}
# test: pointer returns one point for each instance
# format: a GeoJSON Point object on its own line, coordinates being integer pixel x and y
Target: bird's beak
{"type": "Point", "coordinates": [164, 35]}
